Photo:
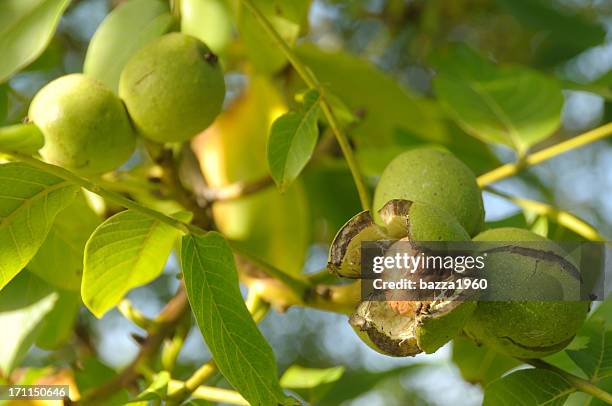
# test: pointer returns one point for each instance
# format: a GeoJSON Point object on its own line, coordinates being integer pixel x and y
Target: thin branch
{"type": "Point", "coordinates": [212, 394]}
{"type": "Point", "coordinates": [236, 190]}
{"type": "Point", "coordinates": [581, 384]}
{"type": "Point", "coordinates": [298, 286]}
{"type": "Point", "coordinates": [165, 323]}
{"type": "Point", "coordinates": [128, 311]}
{"type": "Point", "coordinates": [107, 194]}
{"type": "Point", "coordinates": [511, 169]}
{"type": "Point", "coordinates": [312, 82]}
{"type": "Point", "coordinates": [562, 217]}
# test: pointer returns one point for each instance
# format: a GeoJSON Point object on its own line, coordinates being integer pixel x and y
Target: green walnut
{"type": "Point", "coordinates": [85, 126]}
{"type": "Point", "coordinates": [522, 265]}
{"type": "Point", "coordinates": [401, 219]}
{"type": "Point", "coordinates": [437, 178]}
{"type": "Point", "coordinates": [173, 88]}
{"type": "Point", "coordinates": [401, 328]}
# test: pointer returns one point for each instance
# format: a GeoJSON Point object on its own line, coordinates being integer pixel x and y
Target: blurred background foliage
{"type": "Point", "coordinates": [392, 102]}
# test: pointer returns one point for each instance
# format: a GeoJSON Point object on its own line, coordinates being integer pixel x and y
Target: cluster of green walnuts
{"type": "Point", "coordinates": [169, 91]}
{"type": "Point", "coordinates": [429, 195]}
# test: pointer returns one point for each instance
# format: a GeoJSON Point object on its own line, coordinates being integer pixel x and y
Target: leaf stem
{"type": "Point", "coordinates": [107, 194]}
{"type": "Point", "coordinates": [213, 394]}
{"type": "Point", "coordinates": [128, 311]}
{"type": "Point", "coordinates": [311, 81]}
{"type": "Point", "coordinates": [298, 286]}
{"type": "Point", "coordinates": [581, 384]}
{"type": "Point", "coordinates": [293, 283]}
{"type": "Point", "coordinates": [511, 169]}
{"type": "Point", "coordinates": [562, 217]}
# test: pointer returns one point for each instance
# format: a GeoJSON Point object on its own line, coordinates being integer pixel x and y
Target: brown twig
{"type": "Point", "coordinates": [165, 323]}
{"type": "Point", "coordinates": [236, 190]}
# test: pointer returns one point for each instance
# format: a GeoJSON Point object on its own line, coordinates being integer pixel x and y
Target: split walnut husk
{"type": "Point", "coordinates": [402, 328]}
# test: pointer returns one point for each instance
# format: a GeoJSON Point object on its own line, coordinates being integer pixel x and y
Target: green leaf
{"type": "Point", "coordinates": [208, 20]}
{"type": "Point", "coordinates": [384, 116]}
{"type": "Point", "coordinates": [24, 304]}
{"type": "Point", "coordinates": [240, 351]}
{"type": "Point", "coordinates": [57, 326]}
{"type": "Point", "coordinates": [59, 261]}
{"type": "Point", "coordinates": [157, 390]}
{"type": "Point", "coordinates": [285, 16]}
{"type": "Point", "coordinates": [26, 27]}
{"type": "Point", "coordinates": [555, 41]}
{"type": "Point", "coordinates": [128, 250]}
{"type": "Point", "coordinates": [596, 358]}
{"type": "Point", "coordinates": [480, 364]}
{"type": "Point", "coordinates": [311, 383]}
{"type": "Point", "coordinates": [528, 387]}
{"type": "Point", "coordinates": [29, 201]}
{"type": "Point", "coordinates": [122, 33]}
{"type": "Point", "coordinates": [383, 106]}
{"type": "Point", "coordinates": [512, 105]}
{"type": "Point", "coordinates": [292, 140]}
{"type": "Point", "coordinates": [25, 138]}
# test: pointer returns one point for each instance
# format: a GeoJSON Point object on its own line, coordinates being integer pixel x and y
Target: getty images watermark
{"type": "Point", "coordinates": [492, 271]}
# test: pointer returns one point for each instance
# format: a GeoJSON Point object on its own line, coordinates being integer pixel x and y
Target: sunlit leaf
{"type": "Point", "coordinates": [59, 261]}
{"type": "Point", "coordinates": [123, 32]}
{"type": "Point", "coordinates": [311, 383]}
{"type": "Point", "coordinates": [208, 20]}
{"type": "Point", "coordinates": [29, 201]}
{"type": "Point", "coordinates": [240, 351]}
{"type": "Point", "coordinates": [293, 138]}
{"type": "Point", "coordinates": [128, 250]}
{"type": "Point", "coordinates": [25, 138]}
{"type": "Point", "coordinates": [24, 304]}
{"type": "Point", "coordinates": [528, 387]}
{"type": "Point", "coordinates": [26, 27]}
{"type": "Point", "coordinates": [512, 105]}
